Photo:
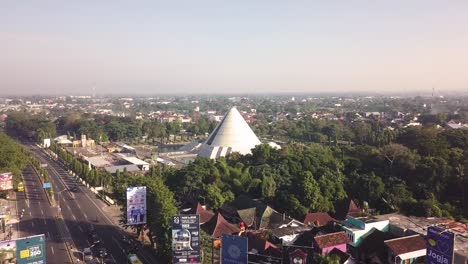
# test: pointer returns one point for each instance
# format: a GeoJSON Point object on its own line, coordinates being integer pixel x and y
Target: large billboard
{"type": "Point", "coordinates": [186, 239]}
{"type": "Point", "coordinates": [6, 181]}
{"type": "Point", "coordinates": [136, 205]}
{"type": "Point", "coordinates": [234, 249]}
{"type": "Point", "coordinates": [439, 246]}
{"type": "Point", "coordinates": [26, 250]}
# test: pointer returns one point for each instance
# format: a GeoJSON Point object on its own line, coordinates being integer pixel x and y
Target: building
{"type": "Point", "coordinates": [232, 134]}
{"type": "Point", "coordinates": [357, 228]}
{"type": "Point", "coordinates": [323, 244]}
{"type": "Point", "coordinates": [410, 249]}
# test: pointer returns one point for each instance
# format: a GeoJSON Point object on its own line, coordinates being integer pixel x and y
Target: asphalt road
{"type": "Point", "coordinates": [39, 218]}
{"type": "Point", "coordinates": [82, 208]}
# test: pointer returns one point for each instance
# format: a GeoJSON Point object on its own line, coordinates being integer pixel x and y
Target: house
{"type": "Point", "coordinates": [357, 228]}
{"type": "Point", "coordinates": [373, 249]}
{"type": "Point", "coordinates": [218, 226]}
{"type": "Point", "coordinates": [205, 215]}
{"type": "Point", "coordinates": [326, 243]}
{"type": "Point", "coordinates": [410, 249]}
{"type": "Point", "coordinates": [287, 235]}
{"type": "Point", "coordinates": [318, 219]}
{"type": "Point", "coordinates": [346, 207]}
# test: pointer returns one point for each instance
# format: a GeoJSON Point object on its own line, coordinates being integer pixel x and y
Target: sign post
{"type": "Point", "coordinates": [234, 249]}
{"type": "Point", "coordinates": [440, 245]}
{"type": "Point", "coordinates": [186, 239]}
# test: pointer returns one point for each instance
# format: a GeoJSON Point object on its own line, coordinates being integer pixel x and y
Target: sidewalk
{"type": "Point", "coordinates": [9, 209]}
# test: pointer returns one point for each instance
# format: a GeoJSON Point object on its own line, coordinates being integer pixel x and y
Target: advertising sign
{"type": "Point", "coordinates": [234, 249]}
{"type": "Point", "coordinates": [6, 181]}
{"type": "Point", "coordinates": [26, 250]}
{"type": "Point", "coordinates": [186, 239]}
{"type": "Point", "coordinates": [136, 205]}
{"type": "Point", "coordinates": [46, 185]}
{"type": "Point", "coordinates": [439, 246]}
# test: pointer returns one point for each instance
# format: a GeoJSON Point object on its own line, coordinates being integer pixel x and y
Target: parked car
{"type": "Point", "coordinates": [102, 252]}
{"type": "Point", "coordinates": [87, 254]}
{"type": "Point", "coordinates": [95, 239]}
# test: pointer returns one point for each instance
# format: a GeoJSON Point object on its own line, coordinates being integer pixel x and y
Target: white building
{"type": "Point", "coordinates": [233, 134]}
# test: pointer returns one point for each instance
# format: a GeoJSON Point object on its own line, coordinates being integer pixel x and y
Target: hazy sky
{"type": "Point", "coordinates": [198, 46]}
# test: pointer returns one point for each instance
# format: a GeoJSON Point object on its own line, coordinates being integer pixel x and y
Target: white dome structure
{"type": "Point", "coordinates": [233, 134]}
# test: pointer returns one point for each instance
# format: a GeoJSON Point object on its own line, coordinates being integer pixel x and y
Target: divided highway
{"type": "Point", "coordinates": [81, 210]}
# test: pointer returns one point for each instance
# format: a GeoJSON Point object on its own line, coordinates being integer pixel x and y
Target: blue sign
{"type": "Point", "coordinates": [46, 185]}
{"type": "Point", "coordinates": [31, 250]}
{"type": "Point", "coordinates": [439, 246]}
{"type": "Point", "coordinates": [233, 249]}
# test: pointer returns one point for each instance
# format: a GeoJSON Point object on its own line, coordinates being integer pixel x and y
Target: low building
{"type": "Point", "coordinates": [143, 165]}
{"type": "Point", "coordinates": [410, 249]}
{"type": "Point", "coordinates": [323, 244]}
{"type": "Point", "coordinates": [357, 228]}
{"type": "Point", "coordinates": [318, 219]}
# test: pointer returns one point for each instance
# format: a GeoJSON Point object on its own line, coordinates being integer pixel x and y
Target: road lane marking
{"type": "Point", "coordinates": [79, 227]}
{"type": "Point", "coordinates": [74, 218]}
{"type": "Point", "coordinates": [85, 215]}
{"type": "Point", "coordinates": [78, 205]}
{"type": "Point", "coordinates": [30, 214]}
{"type": "Point", "coordinates": [32, 224]}
{"type": "Point", "coordinates": [48, 234]}
{"type": "Point", "coordinates": [27, 203]}
{"type": "Point", "coordinates": [118, 244]}
{"type": "Point", "coordinates": [42, 212]}
{"type": "Point", "coordinates": [52, 248]}
{"type": "Point", "coordinates": [43, 219]}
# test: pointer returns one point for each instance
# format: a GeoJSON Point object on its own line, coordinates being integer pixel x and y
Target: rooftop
{"type": "Point", "coordinates": [407, 244]}
{"type": "Point", "coordinates": [333, 239]}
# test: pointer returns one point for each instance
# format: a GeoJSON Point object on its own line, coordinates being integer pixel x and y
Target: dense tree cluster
{"type": "Point", "coordinates": [13, 157]}
{"type": "Point", "coordinates": [35, 127]}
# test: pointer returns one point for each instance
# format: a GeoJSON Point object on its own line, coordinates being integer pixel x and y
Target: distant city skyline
{"type": "Point", "coordinates": [151, 47]}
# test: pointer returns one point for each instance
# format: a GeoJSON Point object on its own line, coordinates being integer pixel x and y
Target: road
{"type": "Point", "coordinates": [80, 209]}
{"type": "Point", "coordinates": [39, 218]}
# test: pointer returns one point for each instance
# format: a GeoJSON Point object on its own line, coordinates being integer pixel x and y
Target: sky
{"type": "Point", "coordinates": [241, 46]}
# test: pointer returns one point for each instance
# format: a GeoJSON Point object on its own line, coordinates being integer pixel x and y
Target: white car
{"type": "Point", "coordinates": [88, 254]}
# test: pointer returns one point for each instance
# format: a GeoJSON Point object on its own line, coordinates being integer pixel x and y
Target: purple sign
{"type": "Point", "coordinates": [439, 246]}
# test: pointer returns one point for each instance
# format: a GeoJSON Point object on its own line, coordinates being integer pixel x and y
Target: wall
{"type": "Point", "coordinates": [341, 247]}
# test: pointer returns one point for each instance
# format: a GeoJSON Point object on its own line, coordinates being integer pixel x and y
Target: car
{"type": "Point", "coordinates": [74, 188]}
{"type": "Point", "coordinates": [87, 254]}
{"type": "Point", "coordinates": [102, 252]}
{"type": "Point", "coordinates": [94, 239]}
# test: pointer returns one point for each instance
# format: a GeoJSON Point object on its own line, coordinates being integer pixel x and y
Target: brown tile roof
{"type": "Point", "coordinates": [205, 215]}
{"type": "Point", "coordinates": [332, 239]}
{"type": "Point", "coordinates": [256, 241]}
{"type": "Point", "coordinates": [406, 244]}
{"type": "Point", "coordinates": [218, 226]}
{"type": "Point", "coordinates": [320, 218]}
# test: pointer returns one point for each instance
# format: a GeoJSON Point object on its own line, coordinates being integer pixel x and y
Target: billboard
{"type": "Point", "coordinates": [136, 205]}
{"type": "Point", "coordinates": [234, 249]}
{"type": "Point", "coordinates": [26, 250]}
{"type": "Point", "coordinates": [6, 181]}
{"type": "Point", "coordinates": [186, 239]}
{"type": "Point", "coordinates": [439, 246]}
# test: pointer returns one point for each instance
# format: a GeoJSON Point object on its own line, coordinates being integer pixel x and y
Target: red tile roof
{"type": "Point", "coordinates": [406, 244]}
{"type": "Point", "coordinates": [330, 240]}
{"type": "Point", "coordinates": [321, 218]}
{"type": "Point", "coordinates": [205, 215]}
{"type": "Point", "coordinates": [218, 226]}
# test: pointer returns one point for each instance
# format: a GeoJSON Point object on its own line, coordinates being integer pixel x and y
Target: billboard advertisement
{"type": "Point", "coordinates": [136, 205]}
{"type": "Point", "coordinates": [26, 250]}
{"type": "Point", "coordinates": [439, 246]}
{"type": "Point", "coordinates": [6, 181]}
{"type": "Point", "coordinates": [186, 239]}
{"type": "Point", "coordinates": [234, 249]}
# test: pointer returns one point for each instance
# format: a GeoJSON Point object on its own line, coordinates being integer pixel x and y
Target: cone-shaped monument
{"type": "Point", "coordinates": [233, 134]}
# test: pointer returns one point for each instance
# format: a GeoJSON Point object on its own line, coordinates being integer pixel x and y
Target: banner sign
{"type": "Point", "coordinates": [186, 239]}
{"type": "Point", "coordinates": [234, 249]}
{"type": "Point", "coordinates": [6, 181]}
{"type": "Point", "coordinates": [26, 250]}
{"type": "Point", "coordinates": [439, 246]}
{"type": "Point", "coordinates": [46, 185]}
{"type": "Point", "coordinates": [136, 205]}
